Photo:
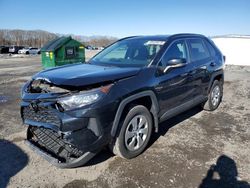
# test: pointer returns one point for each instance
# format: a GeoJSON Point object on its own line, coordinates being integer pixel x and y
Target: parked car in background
{"type": "Point", "coordinates": [34, 51]}
{"type": "Point", "coordinates": [15, 49]}
{"type": "Point", "coordinates": [88, 47]}
{"type": "Point", "coordinates": [29, 50]}
{"type": "Point", "coordinates": [100, 48]}
{"type": "Point", "coordinates": [24, 50]}
{"type": "Point", "coordinates": [4, 49]}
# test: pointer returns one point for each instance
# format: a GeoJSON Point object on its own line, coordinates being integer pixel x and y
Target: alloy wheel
{"type": "Point", "coordinates": [136, 132]}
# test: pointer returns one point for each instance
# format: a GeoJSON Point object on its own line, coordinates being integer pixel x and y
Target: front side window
{"type": "Point", "coordinates": [177, 50]}
{"type": "Point", "coordinates": [129, 52]}
{"type": "Point", "coordinates": [198, 50]}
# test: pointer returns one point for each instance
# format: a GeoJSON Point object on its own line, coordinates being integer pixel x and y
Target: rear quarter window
{"type": "Point", "coordinates": [210, 48]}
{"type": "Point", "coordinates": [198, 50]}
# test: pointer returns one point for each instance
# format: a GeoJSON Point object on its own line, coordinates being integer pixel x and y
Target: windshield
{"type": "Point", "coordinates": [129, 52]}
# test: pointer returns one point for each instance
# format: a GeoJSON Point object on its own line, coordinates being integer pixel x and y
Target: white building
{"type": "Point", "coordinates": [235, 48]}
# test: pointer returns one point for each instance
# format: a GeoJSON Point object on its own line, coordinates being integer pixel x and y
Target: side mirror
{"type": "Point", "coordinates": [175, 63]}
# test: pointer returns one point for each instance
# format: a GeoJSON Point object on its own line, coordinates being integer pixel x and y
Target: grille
{"type": "Point", "coordinates": [43, 115]}
{"type": "Point", "coordinates": [53, 144]}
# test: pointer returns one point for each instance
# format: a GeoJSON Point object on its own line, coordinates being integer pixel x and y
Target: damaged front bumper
{"type": "Point", "coordinates": [47, 144]}
{"type": "Point", "coordinates": [65, 139]}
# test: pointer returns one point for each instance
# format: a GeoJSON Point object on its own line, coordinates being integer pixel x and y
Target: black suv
{"type": "Point", "coordinates": [120, 96]}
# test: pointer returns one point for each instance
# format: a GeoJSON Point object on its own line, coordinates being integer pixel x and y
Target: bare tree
{"type": "Point", "coordinates": [101, 41]}
{"type": "Point", "coordinates": [36, 38]}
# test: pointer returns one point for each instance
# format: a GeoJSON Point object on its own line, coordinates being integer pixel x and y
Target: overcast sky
{"type": "Point", "coordinates": [128, 17]}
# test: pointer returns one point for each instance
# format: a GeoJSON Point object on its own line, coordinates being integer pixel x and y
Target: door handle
{"type": "Point", "coordinates": [212, 64]}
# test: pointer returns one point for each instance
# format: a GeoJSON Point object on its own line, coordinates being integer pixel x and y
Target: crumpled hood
{"type": "Point", "coordinates": [79, 75]}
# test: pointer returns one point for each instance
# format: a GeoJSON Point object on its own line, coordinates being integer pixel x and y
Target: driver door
{"type": "Point", "coordinates": [174, 86]}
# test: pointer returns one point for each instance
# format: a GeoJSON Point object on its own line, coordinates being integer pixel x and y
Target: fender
{"type": "Point", "coordinates": [154, 109]}
{"type": "Point", "coordinates": [217, 73]}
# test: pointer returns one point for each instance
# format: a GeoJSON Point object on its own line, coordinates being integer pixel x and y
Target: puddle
{"type": "Point", "coordinates": [3, 99]}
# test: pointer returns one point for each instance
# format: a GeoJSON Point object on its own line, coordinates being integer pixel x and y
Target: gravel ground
{"type": "Point", "coordinates": [194, 149]}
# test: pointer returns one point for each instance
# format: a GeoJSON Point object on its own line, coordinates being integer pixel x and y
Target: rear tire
{"type": "Point", "coordinates": [134, 134]}
{"type": "Point", "coordinates": [214, 96]}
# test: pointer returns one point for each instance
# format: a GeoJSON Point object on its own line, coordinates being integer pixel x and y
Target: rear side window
{"type": "Point", "coordinates": [197, 49]}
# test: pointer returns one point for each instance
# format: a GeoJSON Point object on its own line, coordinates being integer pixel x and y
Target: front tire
{"type": "Point", "coordinates": [135, 132]}
{"type": "Point", "coordinates": [214, 96]}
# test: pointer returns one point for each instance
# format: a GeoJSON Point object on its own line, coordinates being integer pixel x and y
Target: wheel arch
{"type": "Point", "coordinates": [154, 109]}
{"type": "Point", "coordinates": [217, 76]}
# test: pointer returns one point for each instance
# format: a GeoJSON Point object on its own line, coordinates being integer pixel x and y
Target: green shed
{"type": "Point", "coordinates": [62, 51]}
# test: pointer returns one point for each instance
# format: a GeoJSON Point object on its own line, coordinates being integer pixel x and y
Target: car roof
{"type": "Point", "coordinates": [164, 37]}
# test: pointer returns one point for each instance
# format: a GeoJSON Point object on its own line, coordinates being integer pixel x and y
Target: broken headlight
{"type": "Point", "coordinates": [81, 99]}
{"type": "Point", "coordinates": [43, 86]}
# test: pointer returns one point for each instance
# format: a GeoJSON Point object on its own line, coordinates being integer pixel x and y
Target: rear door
{"type": "Point", "coordinates": [200, 59]}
